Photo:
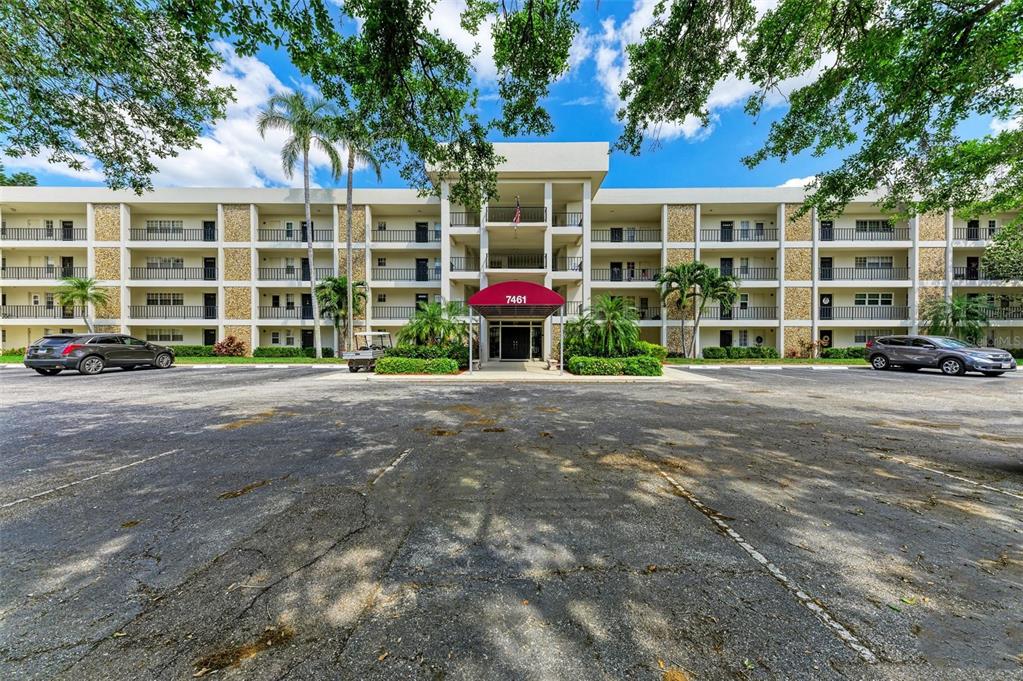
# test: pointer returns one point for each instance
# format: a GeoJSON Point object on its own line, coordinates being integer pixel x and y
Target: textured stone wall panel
{"type": "Point", "coordinates": [932, 263]}
{"type": "Point", "coordinates": [237, 264]}
{"type": "Point", "coordinates": [238, 302]}
{"type": "Point", "coordinates": [796, 340]}
{"type": "Point", "coordinates": [107, 217]}
{"type": "Point", "coordinates": [675, 312]}
{"type": "Point", "coordinates": [108, 264]}
{"type": "Point", "coordinates": [677, 256]}
{"type": "Point", "coordinates": [682, 223]}
{"type": "Point", "coordinates": [797, 228]}
{"type": "Point", "coordinates": [242, 333]}
{"type": "Point", "coordinates": [677, 336]}
{"type": "Point", "coordinates": [929, 293]}
{"type": "Point", "coordinates": [112, 308]}
{"type": "Point", "coordinates": [358, 223]}
{"type": "Point", "coordinates": [358, 263]}
{"type": "Point", "coordinates": [798, 302]}
{"type": "Point", "coordinates": [798, 264]}
{"type": "Point", "coordinates": [932, 227]}
{"type": "Point", "coordinates": [237, 222]}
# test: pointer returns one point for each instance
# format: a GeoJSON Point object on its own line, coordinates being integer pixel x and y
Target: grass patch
{"type": "Point", "coordinates": [11, 359]}
{"type": "Point", "coordinates": [257, 360]}
{"type": "Point", "coordinates": [786, 360]}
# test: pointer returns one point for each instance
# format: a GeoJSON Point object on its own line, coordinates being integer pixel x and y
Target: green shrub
{"type": "Point", "coordinates": [834, 353]}
{"type": "Point", "coordinates": [13, 351]}
{"type": "Point", "coordinates": [192, 350]}
{"type": "Point", "coordinates": [767, 352]}
{"type": "Point", "coordinates": [415, 365]}
{"type": "Point", "coordinates": [441, 365]}
{"type": "Point", "coordinates": [277, 351]}
{"type": "Point", "coordinates": [455, 351]}
{"type": "Point", "coordinates": [230, 347]}
{"type": "Point", "coordinates": [714, 352]}
{"type": "Point", "coordinates": [1016, 352]}
{"type": "Point", "coordinates": [651, 349]}
{"type": "Point", "coordinates": [737, 352]}
{"type": "Point", "coordinates": [856, 352]}
{"type": "Point", "coordinates": [582, 365]}
{"type": "Point", "coordinates": [641, 365]}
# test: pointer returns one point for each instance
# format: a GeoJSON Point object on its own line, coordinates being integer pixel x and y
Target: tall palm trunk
{"type": "Point", "coordinates": [349, 313]}
{"type": "Point", "coordinates": [312, 261]}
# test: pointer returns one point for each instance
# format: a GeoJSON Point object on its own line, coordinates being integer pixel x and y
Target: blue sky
{"type": "Point", "coordinates": [582, 105]}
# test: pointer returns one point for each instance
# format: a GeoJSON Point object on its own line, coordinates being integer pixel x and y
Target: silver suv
{"type": "Point", "coordinates": [953, 356]}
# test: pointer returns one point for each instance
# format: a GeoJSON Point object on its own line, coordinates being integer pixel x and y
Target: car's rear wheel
{"type": "Point", "coordinates": [353, 369]}
{"type": "Point", "coordinates": [164, 360]}
{"type": "Point", "coordinates": [993, 373]}
{"type": "Point", "coordinates": [880, 362]}
{"type": "Point", "coordinates": [951, 366]}
{"type": "Point", "coordinates": [48, 372]}
{"type": "Point", "coordinates": [91, 365]}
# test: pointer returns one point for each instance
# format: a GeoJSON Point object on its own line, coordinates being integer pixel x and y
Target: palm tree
{"type": "Point", "coordinates": [310, 122]}
{"type": "Point", "coordinates": [340, 302]}
{"type": "Point", "coordinates": [615, 330]}
{"type": "Point", "coordinates": [711, 285]}
{"type": "Point", "coordinates": [433, 324]}
{"type": "Point", "coordinates": [80, 292]}
{"type": "Point", "coordinates": [962, 317]}
{"type": "Point", "coordinates": [680, 279]}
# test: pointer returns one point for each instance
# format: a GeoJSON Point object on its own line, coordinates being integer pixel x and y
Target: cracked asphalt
{"type": "Point", "coordinates": [268, 523]}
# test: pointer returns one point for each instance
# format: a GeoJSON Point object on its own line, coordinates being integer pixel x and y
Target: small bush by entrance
{"type": "Point", "coordinates": [412, 365]}
{"type": "Point", "coordinates": [714, 352]}
{"type": "Point", "coordinates": [640, 365]}
{"type": "Point", "coordinates": [289, 351]}
{"type": "Point", "coordinates": [454, 351]}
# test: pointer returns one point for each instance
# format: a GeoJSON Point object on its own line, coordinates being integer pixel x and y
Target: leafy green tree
{"type": "Point", "coordinates": [81, 292]}
{"type": "Point", "coordinates": [21, 179]}
{"type": "Point", "coordinates": [341, 303]}
{"type": "Point", "coordinates": [677, 285]}
{"type": "Point", "coordinates": [434, 324]}
{"type": "Point", "coordinates": [310, 123]}
{"type": "Point", "coordinates": [963, 317]}
{"type": "Point", "coordinates": [711, 286]}
{"type": "Point", "coordinates": [1003, 257]}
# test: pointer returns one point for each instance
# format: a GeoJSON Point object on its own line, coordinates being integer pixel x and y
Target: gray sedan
{"type": "Point", "coordinates": [90, 353]}
{"type": "Point", "coordinates": [953, 356]}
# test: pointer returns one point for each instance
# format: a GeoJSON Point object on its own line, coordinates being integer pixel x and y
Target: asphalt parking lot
{"type": "Point", "coordinates": [733, 524]}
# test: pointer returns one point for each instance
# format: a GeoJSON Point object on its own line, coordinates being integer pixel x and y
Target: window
{"type": "Point", "coordinates": [873, 226]}
{"type": "Point", "coordinates": [874, 262]}
{"type": "Point", "coordinates": [289, 229]}
{"type": "Point", "coordinates": [873, 298]}
{"type": "Point", "coordinates": [743, 265]}
{"type": "Point", "coordinates": [992, 227]}
{"type": "Point", "coordinates": [275, 301]}
{"type": "Point", "coordinates": [381, 262]}
{"type": "Point", "coordinates": [743, 338]}
{"type": "Point", "coordinates": [275, 338]}
{"type": "Point", "coordinates": [381, 297]}
{"type": "Point", "coordinates": [289, 337]}
{"type": "Point", "coordinates": [49, 301]}
{"type": "Point", "coordinates": [48, 224]}
{"type": "Point", "coordinates": [67, 330]}
{"type": "Point", "coordinates": [743, 301]}
{"type": "Point", "coordinates": [381, 226]}
{"type": "Point", "coordinates": [164, 226]}
{"type": "Point", "coordinates": [744, 228]}
{"type": "Point", "coordinates": [864, 335]}
{"type": "Point", "coordinates": [164, 298]}
{"type": "Point", "coordinates": [162, 262]}
{"type": "Point", "coordinates": [164, 335]}
{"type": "Point", "coordinates": [289, 301]}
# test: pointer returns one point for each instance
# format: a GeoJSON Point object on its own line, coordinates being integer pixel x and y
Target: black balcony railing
{"type": "Point", "coordinates": [40, 312]}
{"type": "Point", "coordinates": [568, 219]}
{"type": "Point", "coordinates": [393, 311]}
{"type": "Point", "coordinates": [56, 233]}
{"type": "Point", "coordinates": [625, 235]}
{"type": "Point", "coordinates": [976, 233]}
{"type": "Point", "coordinates": [294, 235]}
{"type": "Point", "coordinates": [864, 273]}
{"type": "Point", "coordinates": [175, 273]}
{"type": "Point", "coordinates": [1008, 312]}
{"type": "Point", "coordinates": [507, 213]}
{"type": "Point", "coordinates": [418, 236]}
{"type": "Point", "coordinates": [871, 312]}
{"type": "Point", "coordinates": [285, 312]}
{"type": "Point", "coordinates": [762, 312]}
{"type": "Point", "coordinates": [649, 274]}
{"type": "Point", "coordinates": [172, 311]}
{"type": "Point", "coordinates": [517, 261]}
{"type": "Point", "coordinates": [465, 219]}
{"type": "Point", "coordinates": [53, 272]}
{"type": "Point", "coordinates": [971, 273]}
{"type": "Point", "coordinates": [406, 274]}
{"type": "Point", "coordinates": [460, 264]}
{"type": "Point", "coordinates": [293, 273]}
{"type": "Point", "coordinates": [739, 234]}
{"type": "Point", "coordinates": [853, 234]}
{"type": "Point", "coordinates": [573, 309]}
{"type": "Point", "coordinates": [572, 263]}
{"type": "Point", "coordinates": [191, 234]}
{"type": "Point", "coordinates": [752, 273]}
{"type": "Point", "coordinates": [647, 314]}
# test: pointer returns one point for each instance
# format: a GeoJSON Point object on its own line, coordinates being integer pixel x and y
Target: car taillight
{"type": "Point", "coordinates": [69, 348]}
{"type": "Point", "coordinates": [870, 342]}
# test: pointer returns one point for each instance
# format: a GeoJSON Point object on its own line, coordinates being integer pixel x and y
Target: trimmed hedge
{"type": "Point", "coordinates": [735, 352]}
{"type": "Point", "coordinates": [640, 365]}
{"type": "Point", "coordinates": [11, 352]}
{"type": "Point", "coordinates": [289, 351]}
{"type": "Point", "coordinates": [414, 365]}
{"type": "Point", "coordinates": [855, 352]}
{"type": "Point", "coordinates": [651, 349]}
{"type": "Point", "coordinates": [1016, 352]}
{"type": "Point", "coordinates": [455, 351]}
{"type": "Point", "coordinates": [192, 350]}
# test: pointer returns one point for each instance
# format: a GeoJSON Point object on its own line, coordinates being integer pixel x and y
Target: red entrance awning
{"type": "Point", "coordinates": [522, 299]}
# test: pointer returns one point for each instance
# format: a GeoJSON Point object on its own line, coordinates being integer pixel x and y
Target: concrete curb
{"type": "Point", "coordinates": [766, 367]}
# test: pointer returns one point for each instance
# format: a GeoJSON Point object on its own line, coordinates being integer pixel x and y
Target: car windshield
{"type": "Point", "coordinates": [53, 342]}
{"type": "Point", "coordinates": [952, 343]}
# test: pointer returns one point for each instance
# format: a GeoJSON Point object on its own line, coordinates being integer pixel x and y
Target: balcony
{"type": "Point", "coordinates": [866, 312]}
{"type": "Point", "coordinates": [625, 235]}
{"type": "Point", "coordinates": [639, 274]}
{"type": "Point", "coordinates": [40, 312]}
{"type": "Point", "coordinates": [418, 236]}
{"type": "Point", "coordinates": [461, 264]}
{"type": "Point", "coordinates": [51, 272]}
{"type": "Point", "coordinates": [526, 213]}
{"type": "Point", "coordinates": [172, 311]}
{"type": "Point", "coordinates": [732, 234]}
{"type": "Point", "coordinates": [1004, 313]}
{"type": "Point", "coordinates": [974, 233]}
{"type": "Point", "coordinates": [294, 235]}
{"type": "Point", "coordinates": [864, 273]}
{"type": "Point", "coordinates": [198, 234]}
{"type": "Point", "coordinates": [568, 219]}
{"type": "Point", "coordinates": [738, 312]}
{"type": "Point", "coordinates": [857, 234]}
{"type": "Point", "coordinates": [293, 273]}
{"type": "Point", "coordinates": [465, 219]}
{"type": "Point", "coordinates": [970, 273]}
{"type": "Point", "coordinates": [517, 261]}
{"type": "Point", "coordinates": [752, 273]}
{"type": "Point", "coordinates": [304, 312]}
{"type": "Point", "coordinates": [406, 274]}
{"type": "Point", "coordinates": [400, 312]}
{"type": "Point", "coordinates": [42, 234]}
{"type": "Point", "coordinates": [649, 314]}
{"type": "Point", "coordinates": [175, 273]}
{"type": "Point", "coordinates": [568, 264]}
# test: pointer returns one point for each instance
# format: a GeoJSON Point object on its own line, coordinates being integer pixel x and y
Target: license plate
{"type": "Point", "coordinates": [1006, 365]}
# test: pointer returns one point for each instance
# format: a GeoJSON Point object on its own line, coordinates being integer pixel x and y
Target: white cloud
{"type": "Point", "coordinates": [585, 100]}
{"type": "Point", "coordinates": [798, 181]}
{"type": "Point", "coordinates": [40, 163]}
{"type": "Point", "coordinates": [446, 19]}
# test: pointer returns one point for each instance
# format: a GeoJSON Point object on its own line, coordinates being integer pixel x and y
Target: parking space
{"type": "Point", "coordinates": [267, 523]}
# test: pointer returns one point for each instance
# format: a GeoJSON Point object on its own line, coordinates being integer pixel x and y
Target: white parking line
{"type": "Point", "coordinates": [847, 636]}
{"type": "Point", "coordinates": [956, 477]}
{"type": "Point", "coordinates": [91, 477]}
{"type": "Point", "coordinates": [392, 466]}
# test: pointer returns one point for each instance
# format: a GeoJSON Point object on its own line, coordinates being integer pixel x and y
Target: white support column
{"type": "Point", "coordinates": [125, 215]}
{"type": "Point", "coordinates": [587, 243]}
{"type": "Point", "coordinates": [221, 303]}
{"type": "Point", "coordinates": [697, 342]}
{"type": "Point", "coordinates": [948, 254]}
{"type": "Point", "coordinates": [337, 239]}
{"type": "Point", "coordinates": [914, 274]}
{"type": "Point", "coordinates": [253, 276]}
{"type": "Point", "coordinates": [548, 250]}
{"type": "Point", "coordinates": [484, 249]}
{"type": "Point", "coordinates": [90, 240]}
{"type": "Point", "coordinates": [815, 275]}
{"type": "Point", "coordinates": [367, 259]}
{"type": "Point", "coordinates": [445, 241]}
{"type": "Point", "coordinates": [780, 334]}
{"type": "Point", "coordinates": [664, 263]}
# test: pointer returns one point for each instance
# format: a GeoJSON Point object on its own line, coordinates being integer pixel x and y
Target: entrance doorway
{"type": "Point", "coordinates": [515, 342]}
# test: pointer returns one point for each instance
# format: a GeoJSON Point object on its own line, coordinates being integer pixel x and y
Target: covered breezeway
{"type": "Point", "coordinates": [512, 316]}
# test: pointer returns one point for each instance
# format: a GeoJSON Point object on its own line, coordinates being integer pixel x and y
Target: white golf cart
{"type": "Point", "coordinates": [372, 346]}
